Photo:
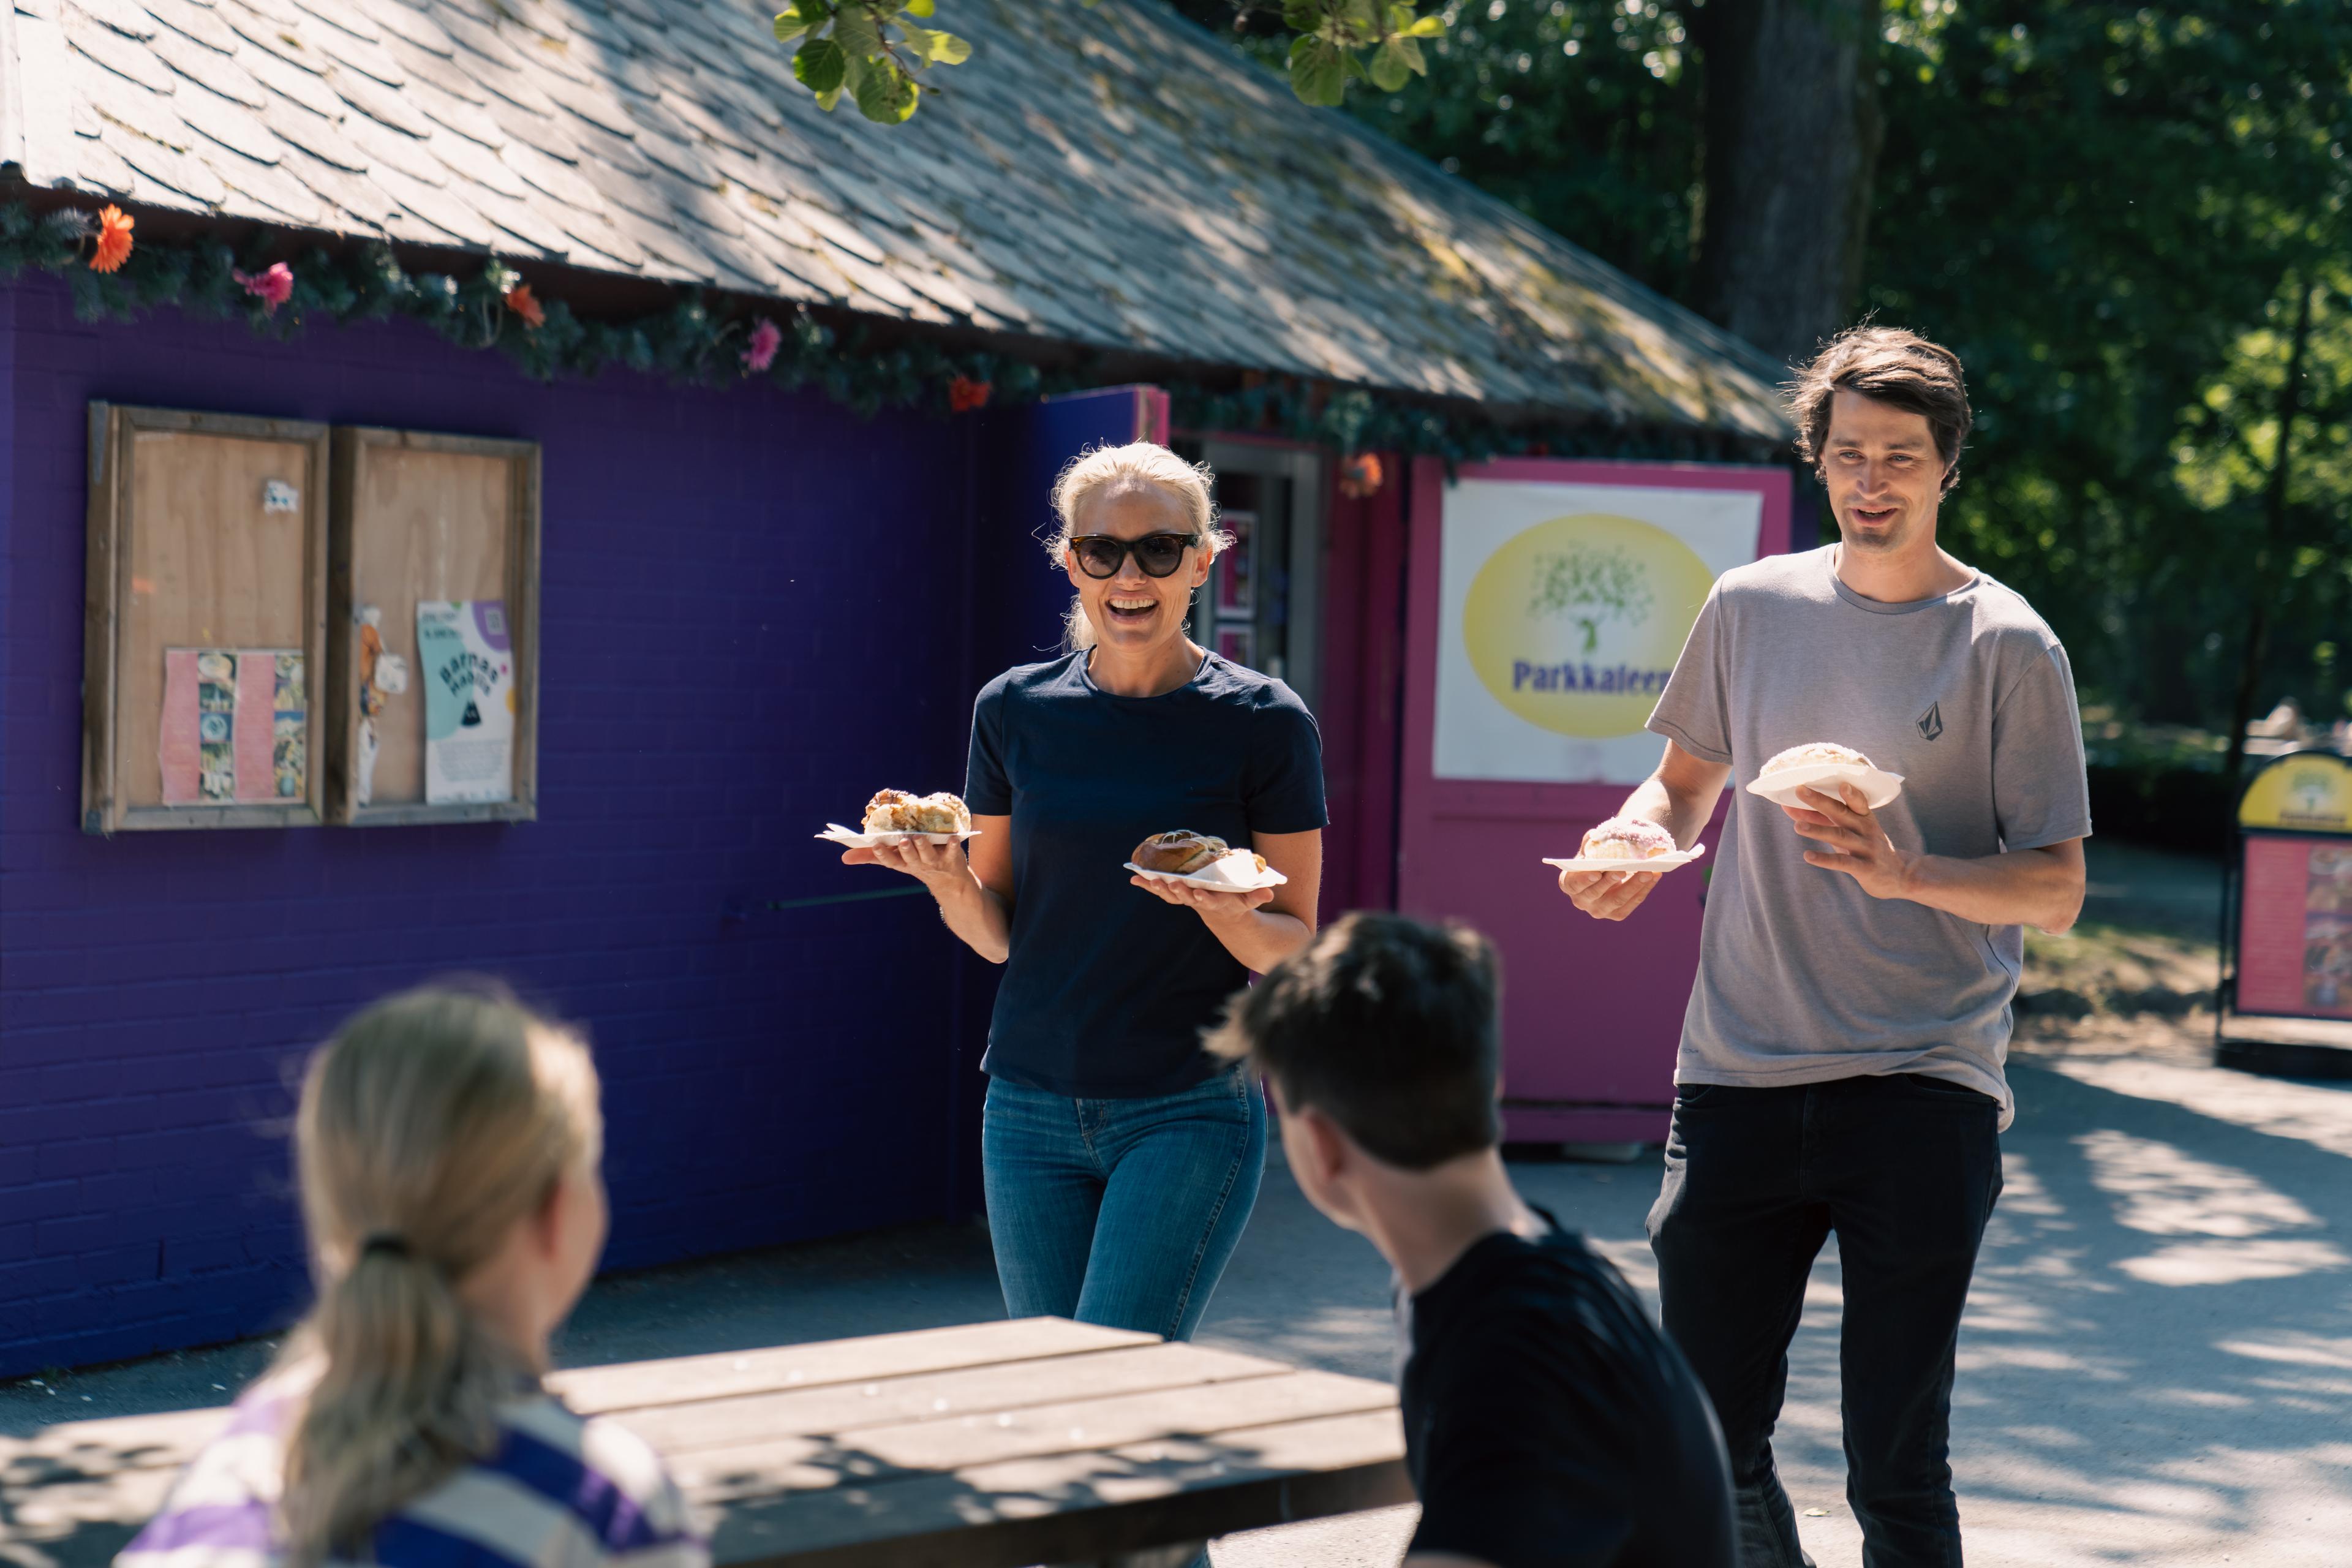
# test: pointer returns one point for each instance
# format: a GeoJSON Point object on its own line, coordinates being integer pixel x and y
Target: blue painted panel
{"type": "Point", "coordinates": [1022, 594]}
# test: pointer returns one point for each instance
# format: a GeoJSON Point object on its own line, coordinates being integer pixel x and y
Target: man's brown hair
{"type": "Point", "coordinates": [1387, 1027]}
{"type": "Point", "coordinates": [1889, 365]}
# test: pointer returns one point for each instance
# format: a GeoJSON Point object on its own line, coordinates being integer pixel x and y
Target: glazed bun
{"type": "Point", "coordinates": [1182, 852]}
{"type": "Point", "coordinates": [1818, 751]}
{"type": "Point", "coordinates": [1626, 838]}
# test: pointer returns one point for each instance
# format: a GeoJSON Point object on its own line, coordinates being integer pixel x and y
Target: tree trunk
{"type": "Point", "coordinates": [1792, 138]}
{"type": "Point", "coordinates": [2271, 552]}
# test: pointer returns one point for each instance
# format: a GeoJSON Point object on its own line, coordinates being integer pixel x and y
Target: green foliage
{"type": "Point", "coordinates": [869, 48]}
{"type": "Point", "coordinates": [2109, 213]}
{"type": "Point", "coordinates": [2103, 206]}
{"type": "Point", "coordinates": [1584, 116]}
{"type": "Point", "coordinates": [1341, 41]}
{"type": "Point", "coordinates": [702, 340]}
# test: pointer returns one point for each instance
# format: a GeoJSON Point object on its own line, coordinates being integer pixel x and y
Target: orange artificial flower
{"type": "Point", "coordinates": [1360, 477]}
{"type": "Point", "coordinates": [113, 239]}
{"type": "Point", "coordinates": [964, 394]}
{"type": "Point", "coordinates": [520, 301]}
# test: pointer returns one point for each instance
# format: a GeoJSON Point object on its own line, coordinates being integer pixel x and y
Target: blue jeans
{"type": "Point", "coordinates": [1121, 1212]}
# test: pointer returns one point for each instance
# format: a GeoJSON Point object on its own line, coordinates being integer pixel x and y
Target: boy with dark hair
{"type": "Point", "coordinates": [1547, 1422]}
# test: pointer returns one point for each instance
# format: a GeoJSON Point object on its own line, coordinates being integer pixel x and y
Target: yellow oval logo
{"type": "Point", "coordinates": [2311, 793]}
{"type": "Point", "coordinates": [1575, 624]}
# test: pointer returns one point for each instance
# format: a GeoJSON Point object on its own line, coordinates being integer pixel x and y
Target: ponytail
{"type": "Point", "coordinates": [431, 1125]}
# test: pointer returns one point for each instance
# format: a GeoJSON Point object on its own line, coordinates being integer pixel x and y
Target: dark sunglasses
{"type": "Point", "coordinates": [1101, 555]}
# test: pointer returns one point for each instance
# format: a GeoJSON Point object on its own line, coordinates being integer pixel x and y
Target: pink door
{"type": "Point", "coordinates": [1548, 599]}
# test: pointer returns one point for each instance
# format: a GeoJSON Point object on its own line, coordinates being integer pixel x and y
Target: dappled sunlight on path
{"type": "Point", "coordinates": [2156, 1367]}
{"type": "Point", "coordinates": [2157, 1362]}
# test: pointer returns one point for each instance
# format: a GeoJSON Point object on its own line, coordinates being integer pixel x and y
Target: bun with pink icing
{"type": "Point", "coordinates": [1626, 838]}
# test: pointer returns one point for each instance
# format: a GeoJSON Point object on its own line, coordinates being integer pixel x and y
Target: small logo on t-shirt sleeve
{"type": "Point", "coordinates": [1931, 723]}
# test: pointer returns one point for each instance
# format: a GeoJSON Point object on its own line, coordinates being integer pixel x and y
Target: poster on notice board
{"type": "Point", "coordinates": [235, 728]}
{"type": "Point", "coordinates": [466, 657]}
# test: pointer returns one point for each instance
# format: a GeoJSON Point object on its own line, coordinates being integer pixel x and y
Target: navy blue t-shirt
{"type": "Point", "coordinates": [1106, 988]}
{"type": "Point", "coordinates": [1548, 1423]}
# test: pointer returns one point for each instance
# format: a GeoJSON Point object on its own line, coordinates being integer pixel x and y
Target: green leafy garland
{"type": "Point", "coordinates": [705, 340]}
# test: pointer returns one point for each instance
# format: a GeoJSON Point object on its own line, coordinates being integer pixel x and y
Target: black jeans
{"type": "Point", "coordinates": [1905, 1170]}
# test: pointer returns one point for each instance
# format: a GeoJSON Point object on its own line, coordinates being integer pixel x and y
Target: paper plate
{"type": "Point", "coordinates": [1216, 878]}
{"type": "Point", "coordinates": [1877, 786]}
{"type": "Point", "coordinates": [849, 838]}
{"type": "Point", "coordinates": [1655, 863]}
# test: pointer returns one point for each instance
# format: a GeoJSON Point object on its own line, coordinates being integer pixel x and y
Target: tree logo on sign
{"type": "Point", "coordinates": [1592, 586]}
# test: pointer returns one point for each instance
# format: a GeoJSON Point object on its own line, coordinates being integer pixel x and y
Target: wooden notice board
{"type": "Point", "coordinates": [421, 518]}
{"type": "Point", "coordinates": [205, 624]}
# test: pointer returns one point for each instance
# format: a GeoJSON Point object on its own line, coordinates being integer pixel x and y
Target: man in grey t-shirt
{"type": "Point", "coordinates": [1840, 1062]}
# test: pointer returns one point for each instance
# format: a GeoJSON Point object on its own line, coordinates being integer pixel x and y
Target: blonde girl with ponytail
{"type": "Point", "coordinates": [447, 1148]}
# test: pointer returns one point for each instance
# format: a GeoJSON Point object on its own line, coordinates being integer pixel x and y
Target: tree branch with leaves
{"type": "Point", "coordinates": [876, 52]}
{"type": "Point", "coordinates": [869, 50]}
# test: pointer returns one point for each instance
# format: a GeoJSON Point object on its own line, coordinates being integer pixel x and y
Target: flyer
{"type": "Point", "coordinates": [2294, 935]}
{"type": "Point", "coordinates": [464, 655]}
{"type": "Point", "coordinates": [235, 727]}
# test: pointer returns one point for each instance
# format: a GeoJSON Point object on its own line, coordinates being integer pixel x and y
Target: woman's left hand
{"type": "Point", "coordinates": [1217, 906]}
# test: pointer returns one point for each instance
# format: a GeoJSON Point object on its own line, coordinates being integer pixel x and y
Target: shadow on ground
{"type": "Point", "coordinates": [2156, 1366]}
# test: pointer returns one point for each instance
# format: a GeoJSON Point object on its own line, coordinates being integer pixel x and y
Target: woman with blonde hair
{"type": "Point", "coordinates": [447, 1147]}
{"type": "Point", "coordinates": [1120, 1160]}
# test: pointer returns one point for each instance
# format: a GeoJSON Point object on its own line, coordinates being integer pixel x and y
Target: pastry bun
{"type": "Point", "coordinates": [1809, 755]}
{"type": "Point", "coordinates": [895, 811]}
{"type": "Point", "coordinates": [1626, 838]}
{"type": "Point", "coordinates": [1181, 852]}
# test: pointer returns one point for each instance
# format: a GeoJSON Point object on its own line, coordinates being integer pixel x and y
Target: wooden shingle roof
{"type": "Point", "coordinates": [1111, 177]}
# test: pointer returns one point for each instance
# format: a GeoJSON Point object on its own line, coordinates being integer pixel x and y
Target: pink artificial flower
{"type": "Point", "coordinates": [766, 339]}
{"type": "Point", "coordinates": [273, 286]}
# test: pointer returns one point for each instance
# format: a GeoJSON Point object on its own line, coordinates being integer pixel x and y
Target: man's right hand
{"type": "Point", "coordinates": [1608, 895]}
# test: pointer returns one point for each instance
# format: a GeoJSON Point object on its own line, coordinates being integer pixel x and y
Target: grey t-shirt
{"type": "Point", "coordinates": [1802, 976]}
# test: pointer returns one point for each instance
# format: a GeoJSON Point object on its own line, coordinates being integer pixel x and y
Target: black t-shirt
{"type": "Point", "coordinates": [1547, 1423]}
{"type": "Point", "coordinates": [1108, 988]}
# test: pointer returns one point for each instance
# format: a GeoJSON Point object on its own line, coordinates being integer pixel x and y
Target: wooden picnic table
{"type": "Point", "coordinates": [981, 1446]}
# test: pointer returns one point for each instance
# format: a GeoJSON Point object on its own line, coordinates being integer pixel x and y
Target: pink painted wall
{"type": "Point", "coordinates": [1592, 1011]}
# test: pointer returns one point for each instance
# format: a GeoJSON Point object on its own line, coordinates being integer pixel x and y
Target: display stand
{"type": "Point", "coordinates": [450, 524]}
{"type": "Point", "coordinates": [2285, 1003]}
{"type": "Point", "coordinates": [205, 621]}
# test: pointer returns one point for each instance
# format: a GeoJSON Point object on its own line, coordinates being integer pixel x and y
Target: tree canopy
{"type": "Point", "coordinates": [2111, 212]}
{"type": "Point", "coordinates": [2116, 213]}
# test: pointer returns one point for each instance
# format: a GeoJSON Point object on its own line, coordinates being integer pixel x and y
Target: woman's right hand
{"type": "Point", "coordinates": [938, 866]}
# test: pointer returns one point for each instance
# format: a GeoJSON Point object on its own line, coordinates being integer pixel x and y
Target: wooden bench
{"type": "Point", "coordinates": [983, 1446]}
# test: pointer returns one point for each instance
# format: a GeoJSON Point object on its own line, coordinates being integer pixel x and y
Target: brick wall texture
{"type": "Point", "coordinates": [755, 612]}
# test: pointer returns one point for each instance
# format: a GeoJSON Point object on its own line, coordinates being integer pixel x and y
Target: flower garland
{"type": "Point", "coordinates": [705, 340]}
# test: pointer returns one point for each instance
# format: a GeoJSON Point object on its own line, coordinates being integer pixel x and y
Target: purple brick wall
{"type": "Point", "coordinates": [753, 615]}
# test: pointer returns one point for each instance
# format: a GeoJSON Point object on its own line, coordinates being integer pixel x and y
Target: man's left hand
{"type": "Point", "coordinates": [1851, 839]}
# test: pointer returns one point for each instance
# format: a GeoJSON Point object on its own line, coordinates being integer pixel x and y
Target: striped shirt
{"type": "Point", "coordinates": [559, 1492]}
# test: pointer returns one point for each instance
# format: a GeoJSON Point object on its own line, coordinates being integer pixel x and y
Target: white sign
{"type": "Point", "coordinates": [1562, 608]}
{"type": "Point", "coordinates": [466, 657]}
